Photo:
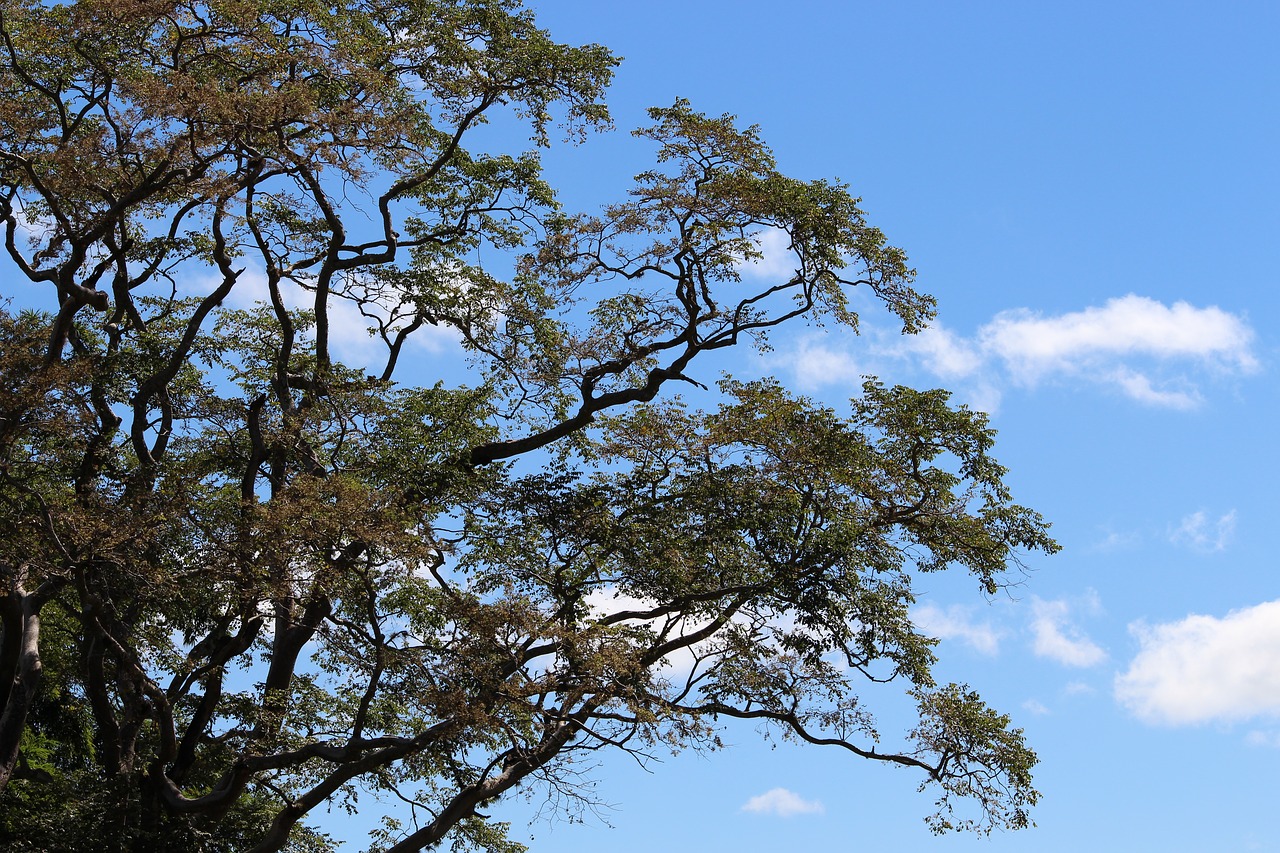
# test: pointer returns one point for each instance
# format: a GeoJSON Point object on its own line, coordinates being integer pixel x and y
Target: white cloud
{"type": "Point", "coordinates": [609, 600]}
{"type": "Point", "coordinates": [1035, 706]}
{"type": "Point", "coordinates": [981, 397]}
{"type": "Point", "coordinates": [1102, 344]}
{"type": "Point", "coordinates": [783, 803]}
{"type": "Point", "coordinates": [32, 230]}
{"type": "Point", "coordinates": [819, 361]}
{"type": "Point", "coordinates": [1139, 387]}
{"type": "Point", "coordinates": [349, 330]}
{"type": "Point", "coordinates": [1205, 668]}
{"type": "Point", "coordinates": [957, 623]}
{"type": "Point", "coordinates": [349, 334]}
{"type": "Point", "coordinates": [603, 601]}
{"type": "Point", "coordinates": [1058, 638]}
{"type": "Point", "coordinates": [1197, 532]}
{"type": "Point", "coordinates": [1033, 345]}
{"type": "Point", "coordinates": [1150, 352]}
{"type": "Point", "coordinates": [944, 353]}
{"type": "Point", "coordinates": [776, 260]}
{"type": "Point", "coordinates": [815, 366]}
{"type": "Point", "coordinates": [1078, 688]}
{"type": "Point", "coordinates": [957, 360]}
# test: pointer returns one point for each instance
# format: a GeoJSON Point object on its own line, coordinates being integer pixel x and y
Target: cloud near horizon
{"type": "Point", "coordinates": [1150, 352]}
{"type": "Point", "coordinates": [1203, 669]}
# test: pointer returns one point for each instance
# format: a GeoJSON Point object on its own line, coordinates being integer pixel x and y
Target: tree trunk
{"type": "Point", "coordinates": [19, 666]}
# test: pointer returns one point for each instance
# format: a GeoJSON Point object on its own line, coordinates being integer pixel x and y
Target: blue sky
{"type": "Point", "coordinates": [1090, 190]}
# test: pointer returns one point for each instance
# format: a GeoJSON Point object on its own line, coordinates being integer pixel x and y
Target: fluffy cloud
{"type": "Point", "coordinates": [816, 365]}
{"type": "Point", "coordinates": [945, 353]}
{"type": "Point", "coordinates": [776, 260]}
{"type": "Point", "coordinates": [1058, 638]}
{"type": "Point", "coordinates": [1150, 352]}
{"type": "Point", "coordinates": [957, 623]}
{"type": "Point", "coordinates": [1197, 532]}
{"type": "Point", "coordinates": [1205, 668]}
{"type": "Point", "coordinates": [782, 803]}
{"type": "Point", "coordinates": [1032, 345]}
{"type": "Point", "coordinates": [1122, 344]}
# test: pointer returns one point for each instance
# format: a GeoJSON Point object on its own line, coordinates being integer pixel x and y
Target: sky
{"type": "Point", "coordinates": [1090, 190]}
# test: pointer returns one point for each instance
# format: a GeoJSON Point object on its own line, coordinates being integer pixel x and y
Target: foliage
{"type": "Point", "coordinates": [244, 580]}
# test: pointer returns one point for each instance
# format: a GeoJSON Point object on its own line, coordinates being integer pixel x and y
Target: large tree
{"type": "Point", "coordinates": [243, 580]}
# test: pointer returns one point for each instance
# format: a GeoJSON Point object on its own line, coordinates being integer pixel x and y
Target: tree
{"type": "Point", "coordinates": [244, 579]}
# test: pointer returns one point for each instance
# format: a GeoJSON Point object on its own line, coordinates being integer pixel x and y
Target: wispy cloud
{"type": "Point", "coordinates": [1058, 638]}
{"type": "Point", "coordinates": [1205, 668]}
{"type": "Point", "coordinates": [1270, 739]}
{"type": "Point", "coordinates": [1198, 532]}
{"type": "Point", "coordinates": [1138, 386]}
{"type": "Point", "coordinates": [957, 622]}
{"type": "Point", "coordinates": [1035, 706]}
{"type": "Point", "coordinates": [1118, 541]}
{"type": "Point", "coordinates": [782, 803]}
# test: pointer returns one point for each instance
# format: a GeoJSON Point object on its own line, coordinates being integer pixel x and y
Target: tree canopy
{"type": "Point", "coordinates": [245, 580]}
